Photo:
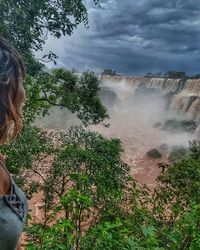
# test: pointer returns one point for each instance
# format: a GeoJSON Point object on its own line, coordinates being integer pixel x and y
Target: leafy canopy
{"type": "Point", "coordinates": [27, 24]}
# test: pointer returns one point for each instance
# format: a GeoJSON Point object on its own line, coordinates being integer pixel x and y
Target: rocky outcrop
{"type": "Point", "coordinates": [180, 125]}
{"type": "Point", "coordinates": [154, 153]}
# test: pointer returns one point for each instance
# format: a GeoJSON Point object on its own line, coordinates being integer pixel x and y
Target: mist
{"type": "Point", "coordinates": [136, 110]}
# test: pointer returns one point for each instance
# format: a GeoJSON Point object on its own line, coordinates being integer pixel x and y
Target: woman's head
{"type": "Point", "coordinates": [12, 94]}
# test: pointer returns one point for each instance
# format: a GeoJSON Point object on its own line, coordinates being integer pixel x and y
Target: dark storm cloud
{"type": "Point", "coordinates": [135, 37]}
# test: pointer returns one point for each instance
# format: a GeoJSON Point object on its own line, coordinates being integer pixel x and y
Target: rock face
{"type": "Point", "coordinates": [154, 153]}
{"type": "Point", "coordinates": [108, 97]}
{"type": "Point", "coordinates": [180, 125]}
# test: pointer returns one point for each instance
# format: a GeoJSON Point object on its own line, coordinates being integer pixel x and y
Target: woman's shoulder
{"type": "Point", "coordinates": [2, 158]}
{"type": "Point", "coordinates": [5, 179]}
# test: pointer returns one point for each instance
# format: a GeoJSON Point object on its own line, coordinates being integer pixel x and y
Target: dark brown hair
{"type": "Point", "coordinates": [12, 73]}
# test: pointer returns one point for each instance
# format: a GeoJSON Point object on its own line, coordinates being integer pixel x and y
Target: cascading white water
{"type": "Point", "coordinates": [193, 86]}
{"type": "Point", "coordinates": [185, 94]}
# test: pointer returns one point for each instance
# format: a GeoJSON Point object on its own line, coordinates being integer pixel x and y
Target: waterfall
{"type": "Point", "coordinates": [162, 84]}
{"type": "Point", "coordinates": [193, 86]}
{"type": "Point", "coordinates": [194, 109]}
{"type": "Point", "coordinates": [183, 95]}
{"type": "Point", "coordinates": [182, 102]}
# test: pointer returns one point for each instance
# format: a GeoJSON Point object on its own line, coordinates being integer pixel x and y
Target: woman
{"type": "Point", "coordinates": [13, 203]}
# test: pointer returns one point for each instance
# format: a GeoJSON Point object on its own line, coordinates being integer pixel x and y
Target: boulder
{"type": "Point", "coordinates": [164, 146]}
{"type": "Point", "coordinates": [154, 153]}
{"type": "Point", "coordinates": [157, 125]}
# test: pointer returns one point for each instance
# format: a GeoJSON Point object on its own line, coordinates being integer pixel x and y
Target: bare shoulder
{"type": "Point", "coordinates": [2, 158]}
{"type": "Point", "coordinates": [4, 177]}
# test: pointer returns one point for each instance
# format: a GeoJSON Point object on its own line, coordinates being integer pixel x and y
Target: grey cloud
{"type": "Point", "coordinates": [134, 37]}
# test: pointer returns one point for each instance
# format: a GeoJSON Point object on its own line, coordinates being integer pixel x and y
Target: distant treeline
{"type": "Point", "coordinates": [110, 72]}
{"type": "Point", "coordinates": [169, 74]}
{"type": "Point", "coordinates": [172, 74]}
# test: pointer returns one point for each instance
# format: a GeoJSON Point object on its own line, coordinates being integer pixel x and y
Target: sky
{"type": "Point", "coordinates": [134, 37]}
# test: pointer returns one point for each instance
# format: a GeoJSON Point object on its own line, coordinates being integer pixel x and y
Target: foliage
{"type": "Point", "coordinates": [79, 94]}
{"type": "Point", "coordinates": [109, 72]}
{"type": "Point", "coordinates": [167, 219]}
{"type": "Point", "coordinates": [85, 181]}
{"type": "Point", "coordinates": [169, 74]}
{"type": "Point", "coordinates": [153, 75]}
{"type": "Point", "coordinates": [197, 76]}
{"type": "Point", "coordinates": [177, 177]}
{"type": "Point", "coordinates": [172, 74]}
{"type": "Point", "coordinates": [29, 144]}
{"type": "Point", "coordinates": [175, 74]}
{"type": "Point", "coordinates": [178, 153]}
{"type": "Point", "coordinates": [28, 24]}
{"type": "Point", "coordinates": [33, 108]}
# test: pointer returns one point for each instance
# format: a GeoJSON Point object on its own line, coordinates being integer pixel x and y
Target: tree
{"type": "Point", "coordinates": [149, 75]}
{"type": "Point", "coordinates": [197, 76]}
{"type": "Point", "coordinates": [27, 24]}
{"type": "Point", "coordinates": [175, 74]}
{"type": "Point", "coordinates": [109, 72]}
{"type": "Point", "coordinates": [153, 75]}
{"type": "Point", "coordinates": [85, 183]}
{"type": "Point", "coordinates": [81, 95]}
